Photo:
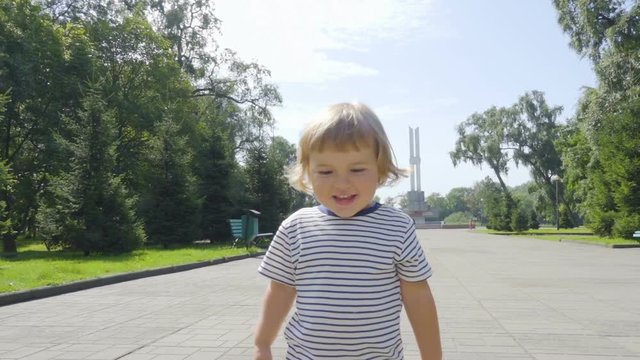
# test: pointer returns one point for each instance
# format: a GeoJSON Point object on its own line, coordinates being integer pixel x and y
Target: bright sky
{"type": "Point", "coordinates": [419, 63]}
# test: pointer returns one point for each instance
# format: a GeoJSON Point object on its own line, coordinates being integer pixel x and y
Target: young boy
{"type": "Point", "coordinates": [350, 264]}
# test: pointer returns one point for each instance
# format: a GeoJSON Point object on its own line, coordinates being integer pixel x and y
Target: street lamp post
{"type": "Point", "coordinates": [556, 179]}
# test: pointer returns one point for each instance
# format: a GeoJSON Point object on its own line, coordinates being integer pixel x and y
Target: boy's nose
{"type": "Point", "coordinates": [342, 181]}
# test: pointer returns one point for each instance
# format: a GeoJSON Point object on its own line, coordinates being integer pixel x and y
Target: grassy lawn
{"type": "Point", "coordinates": [580, 234]}
{"type": "Point", "coordinates": [35, 267]}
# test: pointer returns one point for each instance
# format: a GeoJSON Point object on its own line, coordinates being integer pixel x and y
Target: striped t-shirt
{"type": "Point", "coordinates": [346, 272]}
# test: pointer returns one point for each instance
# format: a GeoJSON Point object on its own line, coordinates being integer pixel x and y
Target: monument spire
{"type": "Point", "coordinates": [417, 207]}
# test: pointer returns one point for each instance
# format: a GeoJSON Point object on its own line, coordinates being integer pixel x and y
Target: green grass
{"type": "Point", "coordinates": [580, 234]}
{"type": "Point", "coordinates": [33, 266]}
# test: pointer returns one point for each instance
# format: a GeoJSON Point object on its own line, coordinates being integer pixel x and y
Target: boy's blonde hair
{"type": "Point", "coordinates": [345, 126]}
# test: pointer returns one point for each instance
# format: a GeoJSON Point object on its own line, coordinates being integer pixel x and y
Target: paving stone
{"type": "Point", "coordinates": [498, 298]}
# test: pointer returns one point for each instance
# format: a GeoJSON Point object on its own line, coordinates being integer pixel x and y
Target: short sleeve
{"type": "Point", "coordinates": [277, 263]}
{"type": "Point", "coordinates": [412, 264]}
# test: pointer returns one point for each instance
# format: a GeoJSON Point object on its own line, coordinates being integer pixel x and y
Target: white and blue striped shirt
{"type": "Point", "coordinates": [346, 272]}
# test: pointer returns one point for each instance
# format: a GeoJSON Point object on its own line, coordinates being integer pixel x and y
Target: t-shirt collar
{"type": "Point", "coordinates": [365, 211]}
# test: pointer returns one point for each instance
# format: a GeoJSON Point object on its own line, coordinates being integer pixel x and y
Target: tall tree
{"type": "Point", "coordinates": [482, 140]}
{"type": "Point", "coordinates": [6, 182]}
{"type": "Point", "coordinates": [282, 154]}
{"type": "Point", "coordinates": [595, 26]}
{"type": "Point", "coordinates": [265, 186]}
{"type": "Point", "coordinates": [169, 206]}
{"type": "Point", "coordinates": [215, 168]}
{"type": "Point", "coordinates": [533, 133]}
{"type": "Point", "coordinates": [240, 87]}
{"type": "Point", "coordinates": [607, 32]}
{"type": "Point", "coordinates": [93, 212]}
{"type": "Point", "coordinates": [32, 68]}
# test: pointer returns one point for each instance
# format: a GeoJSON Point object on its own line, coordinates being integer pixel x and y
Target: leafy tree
{"type": "Point", "coordinates": [481, 139]}
{"type": "Point", "coordinates": [189, 26]}
{"type": "Point", "coordinates": [459, 199]}
{"type": "Point", "coordinates": [532, 221]}
{"type": "Point", "coordinates": [519, 219]}
{"type": "Point", "coordinates": [566, 220]}
{"type": "Point", "coordinates": [459, 217]}
{"type": "Point", "coordinates": [265, 187]}
{"type": "Point", "coordinates": [169, 207]}
{"type": "Point", "coordinates": [576, 153]}
{"type": "Point", "coordinates": [533, 133]}
{"type": "Point", "coordinates": [32, 68]}
{"type": "Point", "coordinates": [404, 202]}
{"type": "Point", "coordinates": [144, 85]}
{"type": "Point", "coordinates": [606, 122]}
{"type": "Point", "coordinates": [215, 168]}
{"type": "Point", "coordinates": [92, 210]}
{"type": "Point", "coordinates": [282, 154]}
{"type": "Point", "coordinates": [597, 26]}
{"type": "Point", "coordinates": [240, 88]}
{"type": "Point", "coordinates": [439, 202]}
{"type": "Point", "coordinates": [497, 206]}
{"type": "Point", "coordinates": [614, 180]}
{"type": "Point", "coordinates": [6, 182]}
{"type": "Point", "coordinates": [65, 11]}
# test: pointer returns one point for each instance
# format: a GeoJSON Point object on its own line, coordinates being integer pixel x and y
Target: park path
{"type": "Point", "coordinates": [498, 297]}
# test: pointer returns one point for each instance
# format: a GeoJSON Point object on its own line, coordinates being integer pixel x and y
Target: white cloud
{"type": "Point", "coordinates": [296, 38]}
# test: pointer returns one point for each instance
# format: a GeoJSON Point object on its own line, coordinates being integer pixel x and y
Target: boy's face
{"type": "Point", "coordinates": [344, 181]}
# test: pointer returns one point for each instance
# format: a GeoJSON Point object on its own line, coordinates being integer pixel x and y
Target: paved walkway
{"type": "Point", "coordinates": [498, 298]}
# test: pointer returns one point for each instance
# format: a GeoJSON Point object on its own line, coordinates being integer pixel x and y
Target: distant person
{"type": "Point", "coordinates": [350, 263]}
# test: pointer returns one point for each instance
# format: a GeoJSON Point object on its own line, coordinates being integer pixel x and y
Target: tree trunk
{"type": "Point", "coordinates": [9, 243]}
{"type": "Point", "coordinates": [9, 239]}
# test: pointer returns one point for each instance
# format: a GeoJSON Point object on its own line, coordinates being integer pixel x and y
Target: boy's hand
{"type": "Point", "coordinates": [262, 353]}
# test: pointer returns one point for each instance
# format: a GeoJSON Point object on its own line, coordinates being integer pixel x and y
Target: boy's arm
{"type": "Point", "coordinates": [421, 310]}
{"type": "Point", "coordinates": [277, 302]}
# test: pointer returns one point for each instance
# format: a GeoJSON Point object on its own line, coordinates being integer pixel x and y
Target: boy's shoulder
{"type": "Point", "coordinates": [302, 213]}
{"type": "Point", "coordinates": [395, 213]}
{"type": "Point", "coordinates": [382, 211]}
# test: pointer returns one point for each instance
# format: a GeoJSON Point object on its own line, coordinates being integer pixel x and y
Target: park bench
{"type": "Point", "coordinates": [245, 231]}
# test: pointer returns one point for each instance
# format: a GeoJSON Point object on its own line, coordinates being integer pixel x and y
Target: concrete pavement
{"type": "Point", "coordinates": [498, 298]}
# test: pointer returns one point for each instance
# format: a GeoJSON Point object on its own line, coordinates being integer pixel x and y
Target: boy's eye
{"type": "Point", "coordinates": [324, 172]}
{"type": "Point", "coordinates": [358, 170]}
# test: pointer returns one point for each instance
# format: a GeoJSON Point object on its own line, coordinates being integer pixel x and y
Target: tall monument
{"type": "Point", "coordinates": [417, 207]}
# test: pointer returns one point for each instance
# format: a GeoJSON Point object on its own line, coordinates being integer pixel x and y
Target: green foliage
{"type": "Point", "coordinates": [614, 169]}
{"type": "Point", "coordinates": [282, 154]}
{"type": "Point", "coordinates": [482, 139]}
{"type": "Point", "coordinates": [169, 206]}
{"type": "Point", "coordinates": [488, 194]}
{"type": "Point", "coordinates": [519, 220]}
{"type": "Point", "coordinates": [438, 202]}
{"type": "Point", "coordinates": [214, 168]}
{"type": "Point", "coordinates": [459, 217]}
{"type": "Point", "coordinates": [601, 222]}
{"type": "Point", "coordinates": [90, 89]}
{"type": "Point", "coordinates": [566, 220]}
{"type": "Point", "coordinates": [603, 146]}
{"type": "Point", "coordinates": [265, 188]}
{"type": "Point", "coordinates": [91, 211]}
{"type": "Point", "coordinates": [500, 210]}
{"type": "Point", "coordinates": [532, 221]}
{"type": "Point", "coordinates": [6, 182]}
{"type": "Point", "coordinates": [625, 225]}
{"type": "Point", "coordinates": [598, 26]}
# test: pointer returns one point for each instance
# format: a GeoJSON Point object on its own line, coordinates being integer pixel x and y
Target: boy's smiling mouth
{"type": "Point", "coordinates": [344, 199]}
